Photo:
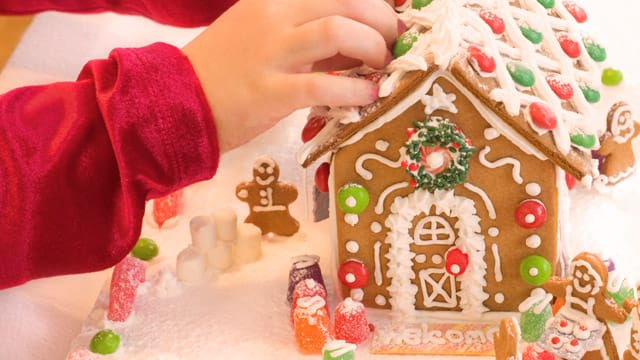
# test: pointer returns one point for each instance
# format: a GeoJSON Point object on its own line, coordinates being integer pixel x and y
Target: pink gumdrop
{"type": "Point", "coordinates": [351, 322]}
{"type": "Point", "coordinates": [166, 208]}
{"type": "Point", "coordinates": [82, 354]}
{"type": "Point", "coordinates": [532, 353]}
{"type": "Point", "coordinates": [307, 288]}
{"type": "Point", "coordinates": [128, 274]}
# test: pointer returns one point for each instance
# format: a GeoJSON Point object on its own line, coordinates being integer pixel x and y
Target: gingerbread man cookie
{"type": "Point", "coordinates": [579, 330]}
{"type": "Point", "coordinates": [616, 144]}
{"type": "Point", "coordinates": [269, 199]}
{"type": "Point", "coordinates": [507, 339]}
{"type": "Point", "coordinates": [632, 306]}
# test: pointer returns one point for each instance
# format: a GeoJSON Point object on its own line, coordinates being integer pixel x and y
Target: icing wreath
{"type": "Point", "coordinates": [437, 154]}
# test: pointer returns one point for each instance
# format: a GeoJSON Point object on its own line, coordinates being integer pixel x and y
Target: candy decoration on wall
{"type": "Point", "coordinates": [586, 141]}
{"type": "Point", "coordinates": [351, 322]}
{"type": "Point", "coordinates": [456, 262]}
{"type": "Point", "coordinates": [521, 74]}
{"type": "Point", "coordinates": [105, 342]}
{"type": "Point", "coordinates": [547, 4]}
{"type": "Point", "coordinates": [560, 86]}
{"type": "Point", "coordinates": [575, 10]}
{"type": "Point", "coordinates": [353, 198]}
{"type": "Point", "coordinates": [532, 35]}
{"type": "Point", "coordinates": [595, 50]}
{"type": "Point", "coordinates": [419, 4]}
{"type": "Point", "coordinates": [530, 214]}
{"type": "Point", "coordinates": [535, 270]}
{"type": "Point", "coordinates": [569, 45]}
{"type": "Point", "coordinates": [127, 275]}
{"type": "Point", "coordinates": [494, 21]}
{"type": "Point", "coordinates": [480, 61]}
{"type": "Point", "coordinates": [437, 154]}
{"type": "Point", "coordinates": [590, 94]}
{"type": "Point", "coordinates": [404, 43]}
{"type": "Point", "coordinates": [570, 180]}
{"type": "Point", "coordinates": [542, 116]}
{"type": "Point", "coordinates": [353, 274]}
{"type": "Point", "coordinates": [321, 177]}
{"type": "Point", "coordinates": [312, 127]}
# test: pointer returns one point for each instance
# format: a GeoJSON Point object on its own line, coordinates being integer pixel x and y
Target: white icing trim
{"type": "Point", "coordinates": [515, 171]}
{"type": "Point", "coordinates": [497, 267]}
{"type": "Point", "coordinates": [377, 273]}
{"type": "Point", "coordinates": [366, 174]}
{"type": "Point", "coordinates": [439, 101]}
{"type": "Point", "coordinates": [485, 198]}
{"type": "Point", "coordinates": [491, 133]}
{"type": "Point", "coordinates": [533, 189]}
{"type": "Point", "coordinates": [379, 208]}
{"type": "Point", "coordinates": [382, 145]}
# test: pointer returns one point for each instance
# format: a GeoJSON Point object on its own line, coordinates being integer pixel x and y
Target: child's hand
{"type": "Point", "coordinates": [257, 62]}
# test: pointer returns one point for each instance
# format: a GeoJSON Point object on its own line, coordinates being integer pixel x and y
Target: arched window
{"type": "Point", "coordinates": [433, 230]}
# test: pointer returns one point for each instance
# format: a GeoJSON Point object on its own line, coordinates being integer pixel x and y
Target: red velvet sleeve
{"type": "Point", "coordinates": [170, 12]}
{"type": "Point", "coordinates": [79, 159]}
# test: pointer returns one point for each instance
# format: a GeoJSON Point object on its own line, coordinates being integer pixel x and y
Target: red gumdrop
{"type": "Point", "coordinates": [321, 177]}
{"type": "Point", "coordinates": [307, 288]}
{"type": "Point", "coordinates": [480, 60]}
{"type": "Point", "coordinates": [127, 275]}
{"type": "Point", "coordinates": [353, 274]}
{"type": "Point", "coordinates": [494, 21]}
{"type": "Point", "coordinates": [166, 208]}
{"type": "Point", "coordinates": [530, 214]}
{"type": "Point", "coordinates": [313, 127]}
{"type": "Point", "coordinates": [570, 180]}
{"type": "Point", "coordinates": [575, 10]}
{"type": "Point", "coordinates": [560, 86]}
{"type": "Point", "coordinates": [83, 354]}
{"type": "Point", "coordinates": [532, 353]}
{"type": "Point", "coordinates": [456, 262]}
{"type": "Point", "coordinates": [569, 46]}
{"type": "Point", "coordinates": [351, 322]}
{"type": "Point", "coordinates": [542, 116]}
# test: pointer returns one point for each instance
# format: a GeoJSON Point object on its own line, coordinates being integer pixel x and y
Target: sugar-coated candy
{"type": "Point", "coordinates": [620, 291]}
{"type": "Point", "coordinates": [535, 311]}
{"type": "Point", "coordinates": [311, 325]}
{"type": "Point", "coordinates": [191, 265]}
{"type": "Point", "coordinates": [82, 354]}
{"type": "Point", "coordinates": [166, 208]}
{"type": "Point", "coordinates": [127, 275]}
{"type": "Point", "coordinates": [338, 350]}
{"type": "Point", "coordinates": [105, 342]}
{"type": "Point", "coordinates": [532, 352]}
{"type": "Point", "coordinates": [308, 288]}
{"type": "Point", "coordinates": [145, 249]}
{"type": "Point", "coordinates": [303, 267]}
{"type": "Point", "coordinates": [351, 322]}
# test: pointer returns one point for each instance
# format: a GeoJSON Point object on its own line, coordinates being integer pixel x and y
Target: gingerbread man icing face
{"type": "Point", "coordinates": [265, 171]}
{"type": "Point", "coordinates": [621, 123]}
{"type": "Point", "coordinates": [585, 279]}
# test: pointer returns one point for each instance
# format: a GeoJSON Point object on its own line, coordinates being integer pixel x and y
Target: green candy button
{"type": "Point", "coordinates": [547, 4]}
{"type": "Point", "coordinates": [404, 43]}
{"type": "Point", "coordinates": [353, 198]}
{"type": "Point", "coordinates": [419, 4]}
{"type": "Point", "coordinates": [583, 140]}
{"type": "Point", "coordinates": [592, 95]}
{"type": "Point", "coordinates": [611, 77]}
{"type": "Point", "coordinates": [105, 342]}
{"type": "Point", "coordinates": [521, 74]}
{"type": "Point", "coordinates": [595, 51]}
{"type": "Point", "coordinates": [534, 36]}
{"type": "Point", "coordinates": [535, 270]}
{"type": "Point", "coordinates": [145, 249]}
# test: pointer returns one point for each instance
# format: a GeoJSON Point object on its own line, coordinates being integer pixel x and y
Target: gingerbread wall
{"type": "Point", "coordinates": [501, 176]}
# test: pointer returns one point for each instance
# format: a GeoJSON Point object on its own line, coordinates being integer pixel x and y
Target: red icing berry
{"type": "Point", "coordinates": [555, 340]}
{"type": "Point", "coordinates": [404, 164]}
{"type": "Point", "coordinates": [494, 21]}
{"type": "Point", "coordinates": [570, 180]}
{"type": "Point", "coordinates": [313, 126]}
{"type": "Point", "coordinates": [353, 274]}
{"type": "Point", "coordinates": [166, 208]}
{"type": "Point", "coordinates": [410, 132]}
{"type": "Point", "coordinates": [530, 214]}
{"type": "Point", "coordinates": [413, 167]}
{"type": "Point", "coordinates": [351, 322]}
{"type": "Point", "coordinates": [569, 46]}
{"type": "Point", "coordinates": [480, 60]}
{"type": "Point", "coordinates": [127, 275]}
{"type": "Point", "coordinates": [542, 116]}
{"type": "Point", "coordinates": [322, 177]}
{"type": "Point", "coordinates": [560, 86]}
{"type": "Point", "coordinates": [412, 183]}
{"type": "Point", "coordinates": [574, 342]}
{"type": "Point", "coordinates": [575, 10]}
{"type": "Point", "coordinates": [456, 262]}
{"type": "Point", "coordinates": [564, 323]}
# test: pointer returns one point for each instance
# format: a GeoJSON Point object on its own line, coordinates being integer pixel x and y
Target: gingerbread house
{"type": "Point", "coordinates": [450, 192]}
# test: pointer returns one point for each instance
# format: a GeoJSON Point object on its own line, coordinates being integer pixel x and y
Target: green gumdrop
{"type": "Point", "coordinates": [145, 249]}
{"type": "Point", "coordinates": [522, 75]}
{"type": "Point", "coordinates": [105, 342]}
{"type": "Point", "coordinates": [532, 325]}
{"type": "Point", "coordinates": [547, 4]}
{"type": "Point", "coordinates": [419, 4]}
{"type": "Point", "coordinates": [534, 36]}
{"type": "Point", "coordinates": [611, 77]}
{"type": "Point", "coordinates": [349, 355]}
{"type": "Point", "coordinates": [404, 43]}
{"type": "Point", "coordinates": [595, 51]}
{"type": "Point", "coordinates": [535, 270]}
{"type": "Point", "coordinates": [353, 198]}
{"type": "Point", "coordinates": [592, 95]}
{"type": "Point", "coordinates": [586, 141]}
{"type": "Point", "coordinates": [625, 292]}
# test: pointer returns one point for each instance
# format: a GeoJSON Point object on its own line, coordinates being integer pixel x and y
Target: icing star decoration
{"type": "Point", "coordinates": [439, 100]}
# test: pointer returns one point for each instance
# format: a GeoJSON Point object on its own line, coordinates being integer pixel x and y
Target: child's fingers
{"type": "Point", "coordinates": [329, 36]}
{"type": "Point", "coordinates": [303, 90]}
{"type": "Point", "coordinates": [336, 63]}
{"type": "Point", "coordinates": [375, 13]}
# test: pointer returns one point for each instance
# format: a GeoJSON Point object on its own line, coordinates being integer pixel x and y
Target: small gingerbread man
{"type": "Point", "coordinates": [506, 341]}
{"type": "Point", "coordinates": [269, 199]}
{"type": "Point", "coordinates": [616, 144]}
{"type": "Point", "coordinates": [579, 330]}
{"type": "Point", "coordinates": [632, 306]}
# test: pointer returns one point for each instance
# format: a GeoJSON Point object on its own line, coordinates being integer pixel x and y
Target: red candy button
{"type": "Point", "coordinates": [353, 274]}
{"type": "Point", "coordinates": [313, 126]}
{"type": "Point", "coordinates": [569, 46]}
{"type": "Point", "coordinates": [456, 262]}
{"type": "Point", "coordinates": [542, 116]}
{"type": "Point", "coordinates": [322, 177]}
{"type": "Point", "coordinates": [480, 60]}
{"type": "Point", "coordinates": [570, 180]}
{"type": "Point", "coordinates": [560, 86]}
{"type": "Point", "coordinates": [530, 214]}
{"type": "Point", "coordinates": [575, 10]}
{"type": "Point", "coordinates": [494, 21]}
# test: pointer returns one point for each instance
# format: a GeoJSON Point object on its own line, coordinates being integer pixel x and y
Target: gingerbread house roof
{"type": "Point", "coordinates": [530, 62]}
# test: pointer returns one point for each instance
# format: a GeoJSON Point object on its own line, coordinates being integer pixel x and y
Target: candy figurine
{"type": "Point", "coordinates": [580, 328]}
{"type": "Point", "coordinates": [303, 267]}
{"type": "Point", "coordinates": [166, 208]}
{"type": "Point", "coordinates": [269, 199]}
{"type": "Point", "coordinates": [507, 339]}
{"type": "Point", "coordinates": [351, 322]}
{"type": "Point", "coordinates": [633, 349]}
{"type": "Point", "coordinates": [311, 325]}
{"type": "Point", "coordinates": [338, 350]}
{"type": "Point", "coordinates": [127, 275]}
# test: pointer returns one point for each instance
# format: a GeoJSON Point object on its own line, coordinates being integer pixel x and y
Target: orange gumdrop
{"type": "Point", "coordinates": [311, 324]}
{"type": "Point", "coordinates": [557, 305]}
